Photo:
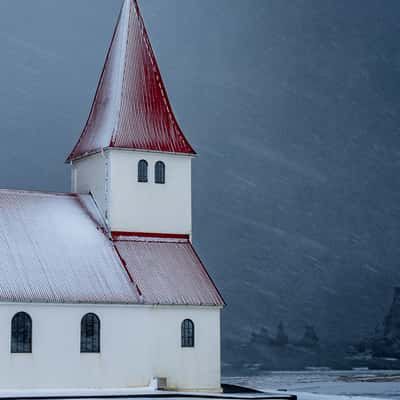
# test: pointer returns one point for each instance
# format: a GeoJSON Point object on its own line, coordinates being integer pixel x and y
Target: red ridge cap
{"type": "Point", "coordinates": [116, 234]}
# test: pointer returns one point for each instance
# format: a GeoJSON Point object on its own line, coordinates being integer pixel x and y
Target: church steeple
{"type": "Point", "coordinates": [132, 155]}
{"type": "Point", "coordinates": [131, 108]}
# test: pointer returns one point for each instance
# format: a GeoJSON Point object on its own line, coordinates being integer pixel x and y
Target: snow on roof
{"type": "Point", "coordinates": [54, 248]}
{"type": "Point", "coordinates": [167, 271]}
{"type": "Point", "coordinates": [131, 107]}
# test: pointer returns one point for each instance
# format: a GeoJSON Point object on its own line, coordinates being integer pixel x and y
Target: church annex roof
{"type": "Point", "coordinates": [54, 248]}
{"type": "Point", "coordinates": [131, 108]}
{"type": "Point", "coordinates": [167, 271]}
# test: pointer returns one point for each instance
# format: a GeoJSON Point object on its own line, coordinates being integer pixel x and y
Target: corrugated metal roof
{"type": "Point", "coordinates": [131, 108]}
{"type": "Point", "coordinates": [168, 271]}
{"type": "Point", "coordinates": [53, 249]}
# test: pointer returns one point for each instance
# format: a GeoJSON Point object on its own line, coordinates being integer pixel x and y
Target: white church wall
{"type": "Point", "coordinates": [137, 343]}
{"type": "Point", "coordinates": [150, 207]}
{"type": "Point", "coordinates": [89, 175]}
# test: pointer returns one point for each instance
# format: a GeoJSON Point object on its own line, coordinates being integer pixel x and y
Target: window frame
{"type": "Point", "coordinates": [90, 344]}
{"type": "Point", "coordinates": [187, 333]}
{"type": "Point", "coordinates": [21, 325]}
{"type": "Point", "coordinates": [159, 172]}
{"type": "Point", "coordinates": [143, 171]}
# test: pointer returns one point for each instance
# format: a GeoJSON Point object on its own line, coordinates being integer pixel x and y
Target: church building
{"type": "Point", "coordinates": [101, 287]}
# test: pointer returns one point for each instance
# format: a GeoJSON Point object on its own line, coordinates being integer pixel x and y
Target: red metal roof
{"type": "Point", "coordinates": [55, 248]}
{"type": "Point", "coordinates": [167, 271]}
{"type": "Point", "coordinates": [131, 108]}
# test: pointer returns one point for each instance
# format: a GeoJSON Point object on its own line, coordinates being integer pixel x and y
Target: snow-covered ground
{"type": "Point", "coordinates": [328, 385]}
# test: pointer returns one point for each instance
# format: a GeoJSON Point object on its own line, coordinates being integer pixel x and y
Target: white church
{"type": "Point", "coordinates": [101, 287]}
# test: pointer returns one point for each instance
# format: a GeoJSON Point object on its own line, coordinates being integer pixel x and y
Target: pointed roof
{"type": "Point", "coordinates": [131, 107]}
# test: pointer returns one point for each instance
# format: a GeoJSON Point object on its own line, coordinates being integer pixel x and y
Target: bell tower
{"type": "Point", "coordinates": [132, 156]}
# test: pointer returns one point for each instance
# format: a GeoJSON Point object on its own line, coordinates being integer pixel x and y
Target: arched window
{"type": "Point", "coordinates": [142, 171]}
{"type": "Point", "coordinates": [90, 334]}
{"type": "Point", "coordinates": [159, 175]}
{"type": "Point", "coordinates": [187, 333]}
{"type": "Point", "coordinates": [21, 333]}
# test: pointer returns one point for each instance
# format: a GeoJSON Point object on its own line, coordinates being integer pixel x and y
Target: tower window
{"type": "Point", "coordinates": [159, 172]}
{"type": "Point", "coordinates": [21, 333]}
{"type": "Point", "coordinates": [90, 334]}
{"type": "Point", "coordinates": [142, 171]}
{"type": "Point", "coordinates": [187, 333]}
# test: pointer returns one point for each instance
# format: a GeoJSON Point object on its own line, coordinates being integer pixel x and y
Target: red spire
{"type": "Point", "coordinates": [131, 107]}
